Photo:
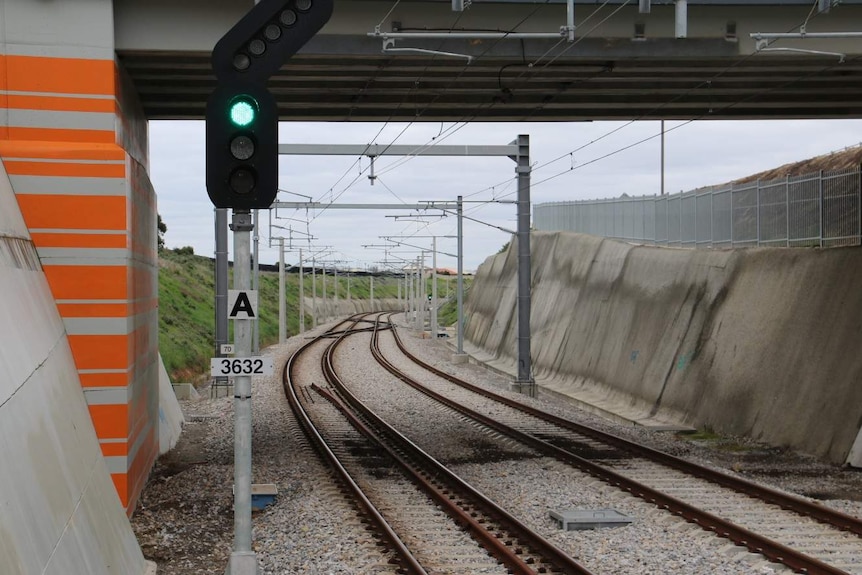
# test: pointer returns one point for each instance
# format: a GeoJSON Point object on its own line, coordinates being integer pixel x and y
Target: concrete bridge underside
{"type": "Point", "coordinates": [607, 73]}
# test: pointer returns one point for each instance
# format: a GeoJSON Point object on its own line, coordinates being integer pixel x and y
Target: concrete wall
{"type": "Point", "coordinates": [59, 511]}
{"type": "Point", "coordinates": [759, 342]}
{"type": "Point", "coordinates": [171, 418]}
{"type": "Point", "coordinates": [74, 142]}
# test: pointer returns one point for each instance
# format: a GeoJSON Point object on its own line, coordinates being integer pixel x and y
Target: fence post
{"type": "Point", "coordinates": [787, 212]}
{"type": "Point", "coordinates": [732, 218]}
{"type": "Point", "coordinates": [695, 219]}
{"type": "Point", "coordinates": [712, 219]}
{"type": "Point", "coordinates": [820, 207]}
{"type": "Point", "coordinates": [757, 191]}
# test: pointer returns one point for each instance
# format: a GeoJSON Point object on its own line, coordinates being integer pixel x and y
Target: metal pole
{"type": "Point", "coordinates": [335, 295]}
{"type": "Point", "coordinates": [525, 382]}
{"type": "Point", "coordinates": [281, 311]}
{"type": "Point", "coordinates": [301, 295]}
{"type": "Point", "coordinates": [681, 18]}
{"type": "Point", "coordinates": [325, 311]}
{"type": "Point", "coordinates": [758, 212]}
{"type": "Point", "coordinates": [423, 288]}
{"type": "Point", "coordinates": [434, 288]}
{"type": "Point", "coordinates": [243, 560]}
{"type": "Point", "coordinates": [662, 157]}
{"type": "Point", "coordinates": [408, 285]}
{"type": "Point", "coordinates": [371, 294]}
{"type": "Point", "coordinates": [313, 293]}
{"type": "Point", "coordinates": [820, 207]}
{"type": "Point", "coordinates": [460, 275]}
{"type": "Point", "coordinates": [417, 295]}
{"type": "Point", "coordinates": [348, 284]}
{"type": "Point", "coordinates": [256, 281]}
{"type": "Point", "coordinates": [787, 208]}
{"type": "Point", "coordinates": [221, 269]}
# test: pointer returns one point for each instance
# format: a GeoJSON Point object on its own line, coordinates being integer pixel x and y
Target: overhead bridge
{"type": "Point", "coordinates": [516, 61]}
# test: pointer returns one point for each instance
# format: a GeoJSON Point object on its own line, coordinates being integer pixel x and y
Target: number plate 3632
{"type": "Point", "coordinates": [233, 366]}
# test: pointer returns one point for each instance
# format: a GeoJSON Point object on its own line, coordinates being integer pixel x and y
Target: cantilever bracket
{"type": "Point", "coordinates": [762, 45]}
{"type": "Point", "coordinates": [389, 47]}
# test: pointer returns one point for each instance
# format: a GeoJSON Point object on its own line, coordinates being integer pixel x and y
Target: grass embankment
{"type": "Point", "coordinates": [187, 304]}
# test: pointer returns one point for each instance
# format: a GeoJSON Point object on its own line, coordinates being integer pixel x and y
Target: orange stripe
{"type": "Point", "coordinates": [61, 134]}
{"type": "Point", "coordinates": [79, 240]}
{"type": "Point", "coordinates": [100, 351]}
{"type": "Point", "coordinates": [60, 150]}
{"type": "Point", "coordinates": [87, 282]}
{"type": "Point", "coordinates": [73, 212]}
{"type": "Point", "coordinates": [23, 168]}
{"type": "Point", "coordinates": [58, 103]}
{"type": "Point", "coordinates": [121, 483]}
{"type": "Point", "coordinates": [105, 379]}
{"type": "Point", "coordinates": [93, 309]}
{"type": "Point", "coordinates": [115, 449]}
{"type": "Point", "coordinates": [110, 421]}
{"type": "Point", "coordinates": [61, 75]}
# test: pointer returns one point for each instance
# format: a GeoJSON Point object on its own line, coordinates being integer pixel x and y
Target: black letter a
{"type": "Point", "coordinates": [242, 305]}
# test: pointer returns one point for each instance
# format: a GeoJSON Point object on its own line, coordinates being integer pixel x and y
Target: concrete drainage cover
{"type": "Point", "coordinates": [576, 519]}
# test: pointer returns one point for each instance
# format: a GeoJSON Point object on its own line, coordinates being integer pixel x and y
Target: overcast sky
{"type": "Point", "coordinates": [696, 154]}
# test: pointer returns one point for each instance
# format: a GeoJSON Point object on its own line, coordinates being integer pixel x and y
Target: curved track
{"type": "Point", "coordinates": [400, 490]}
{"type": "Point", "coordinates": [802, 535]}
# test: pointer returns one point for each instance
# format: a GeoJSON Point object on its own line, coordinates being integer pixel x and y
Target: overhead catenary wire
{"type": "Point", "coordinates": [510, 181]}
{"type": "Point", "coordinates": [705, 83]}
{"type": "Point", "coordinates": [451, 83]}
{"type": "Point", "coordinates": [465, 119]}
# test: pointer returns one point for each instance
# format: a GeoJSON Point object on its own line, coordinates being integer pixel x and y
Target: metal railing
{"type": "Point", "coordinates": [820, 209]}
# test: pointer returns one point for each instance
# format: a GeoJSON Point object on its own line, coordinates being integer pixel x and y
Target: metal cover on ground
{"type": "Point", "coordinates": [574, 519]}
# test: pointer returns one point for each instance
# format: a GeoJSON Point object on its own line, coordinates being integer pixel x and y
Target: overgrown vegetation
{"type": "Point", "coordinates": [187, 304]}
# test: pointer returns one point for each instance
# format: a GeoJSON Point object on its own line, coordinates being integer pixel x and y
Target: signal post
{"type": "Point", "coordinates": [242, 174]}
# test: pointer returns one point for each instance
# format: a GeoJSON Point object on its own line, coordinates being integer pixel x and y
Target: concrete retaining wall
{"type": "Point", "coordinates": [59, 511]}
{"type": "Point", "coordinates": [171, 418]}
{"type": "Point", "coordinates": [759, 342]}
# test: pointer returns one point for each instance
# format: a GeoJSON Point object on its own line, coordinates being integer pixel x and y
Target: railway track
{"type": "Point", "coordinates": [804, 536]}
{"type": "Point", "coordinates": [425, 518]}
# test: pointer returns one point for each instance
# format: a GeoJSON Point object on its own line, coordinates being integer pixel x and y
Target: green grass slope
{"type": "Point", "coordinates": [187, 308]}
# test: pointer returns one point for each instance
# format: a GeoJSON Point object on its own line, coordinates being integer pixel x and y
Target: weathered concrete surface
{"type": "Point", "coordinates": [59, 511]}
{"type": "Point", "coordinates": [171, 418]}
{"type": "Point", "coordinates": [760, 342]}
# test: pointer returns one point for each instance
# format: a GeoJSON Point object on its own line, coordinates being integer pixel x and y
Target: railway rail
{"type": "Point", "coordinates": [400, 489]}
{"type": "Point", "coordinates": [806, 537]}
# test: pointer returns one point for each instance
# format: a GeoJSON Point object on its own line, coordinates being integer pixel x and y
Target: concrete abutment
{"type": "Point", "coordinates": [756, 342]}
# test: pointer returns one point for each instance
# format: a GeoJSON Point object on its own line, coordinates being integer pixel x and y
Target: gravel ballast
{"type": "Point", "coordinates": [184, 517]}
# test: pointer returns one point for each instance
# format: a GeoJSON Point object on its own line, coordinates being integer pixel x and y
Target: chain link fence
{"type": "Point", "coordinates": [820, 209]}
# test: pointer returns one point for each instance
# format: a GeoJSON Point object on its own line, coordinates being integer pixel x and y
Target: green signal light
{"type": "Point", "coordinates": [242, 112]}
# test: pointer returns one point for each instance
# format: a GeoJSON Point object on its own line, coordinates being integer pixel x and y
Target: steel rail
{"type": "Point", "coordinates": [773, 550]}
{"type": "Point", "coordinates": [785, 501]}
{"type": "Point", "coordinates": [404, 557]}
{"type": "Point", "coordinates": [554, 558]}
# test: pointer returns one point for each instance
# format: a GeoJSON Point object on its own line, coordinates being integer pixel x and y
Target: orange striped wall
{"type": "Point", "coordinates": [86, 197]}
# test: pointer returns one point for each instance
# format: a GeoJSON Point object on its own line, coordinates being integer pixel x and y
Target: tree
{"type": "Point", "coordinates": [162, 229]}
